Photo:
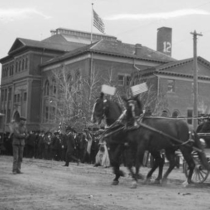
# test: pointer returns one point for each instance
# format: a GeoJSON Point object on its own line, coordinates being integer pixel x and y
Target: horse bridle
{"type": "Point", "coordinates": [132, 105]}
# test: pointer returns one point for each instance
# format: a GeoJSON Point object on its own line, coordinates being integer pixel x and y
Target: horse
{"type": "Point", "coordinates": [117, 143]}
{"type": "Point", "coordinates": [101, 110]}
{"type": "Point", "coordinates": [159, 133]}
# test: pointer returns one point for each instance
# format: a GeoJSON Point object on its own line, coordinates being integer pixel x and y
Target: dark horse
{"type": "Point", "coordinates": [110, 111]}
{"type": "Point", "coordinates": [159, 133]}
{"type": "Point", "coordinates": [118, 142]}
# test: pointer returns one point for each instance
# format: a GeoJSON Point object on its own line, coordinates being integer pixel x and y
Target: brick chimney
{"type": "Point", "coordinates": [164, 40]}
{"type": "Point", "coordinates": [138, 49]}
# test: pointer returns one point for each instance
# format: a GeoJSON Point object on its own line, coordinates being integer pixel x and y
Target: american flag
{"type": "Point", "coordinates": [137, 89]}
{"type": "Point", "coordinates": [98, 22]}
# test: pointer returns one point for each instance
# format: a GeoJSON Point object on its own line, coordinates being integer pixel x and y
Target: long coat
{"type": "Point", "coordinates": [19, 135]}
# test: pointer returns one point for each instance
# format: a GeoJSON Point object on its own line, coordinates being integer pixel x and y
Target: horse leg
{"type": "Point", "coordinates": [191, 165]}
{"type": "Point", "coordinates": [170, 155]}
{"type": "Point", "coordinates": [115, 163]}
{"type": "Point", "coordinates": [158, 161]}
{"type": "Point", "coordinates": [129, 161]}
{"type": "Point", "coordinates": [138, 162]}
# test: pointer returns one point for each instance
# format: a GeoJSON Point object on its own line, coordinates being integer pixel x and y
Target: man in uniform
{"type": "Point", "coordinates": [18, 143]}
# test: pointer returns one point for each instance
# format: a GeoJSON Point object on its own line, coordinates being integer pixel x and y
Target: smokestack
{"type": "Point", "coordinates": [164, 40]}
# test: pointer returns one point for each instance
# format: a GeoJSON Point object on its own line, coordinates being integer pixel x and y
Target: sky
{"type": "Point", "coordinates": [131, 21]}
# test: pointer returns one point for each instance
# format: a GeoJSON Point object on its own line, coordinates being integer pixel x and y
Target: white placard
{"type": "Point", "coordinates": [140, 88]}
{"type": "Point", "coordinates": [108, 90]}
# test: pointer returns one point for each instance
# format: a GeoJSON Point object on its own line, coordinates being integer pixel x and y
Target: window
{"type": "Point", "coordinates": [127, 80]}
{"type": "Point", "coordinates": [54, 89]}
{"type": "Point", "coordinates": [25, 96]}
{"type": "Point", "coordinates": [120, 80]}
{"type": "Point", "coordinates": [53, 113]}
{"type": "Point", "coordinates": [15, 98]}
{"type": "Point", "coordinates": [26, 63]}
{"type": "Point", "coordinates": [16, 67]}
{"type": "Point", "coordinates": [171, 85]}
{"type": "Point", "coordinates": [12, 70]}
{"type": "Point", "coordinates": [18, 97]}
{"type": "Point", "coordinates": [8, 115]}
{"type": "Point", "coordinates": [46, 113]}
{"type": "Point", "coordinates": [124, 79]}
{"type": "Point", "coordinates": [19, 67]}
{"type": "Point", "coordinates": [5, 95]}
{"type": "Point", "coordinates": [47, 88]}
{"type": "Point", "coordinates": [10, 94]}
{"type": "Point", "coordinates": [189, 116]}
{"type": "Point", "coordinates": [2, 94]}
{"type": "Point", "coordinates": [23, 64]}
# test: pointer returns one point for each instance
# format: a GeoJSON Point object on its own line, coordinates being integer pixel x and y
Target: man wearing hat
{"type": "Point", "coordinates": [71, 144]}
{"type": "Point", "coordinates": [18, 143]}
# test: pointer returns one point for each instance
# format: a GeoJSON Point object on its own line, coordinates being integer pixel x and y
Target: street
{"type": "Point", "coordinates": [50, 186]}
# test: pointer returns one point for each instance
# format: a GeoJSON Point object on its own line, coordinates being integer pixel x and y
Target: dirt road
{"type": "Point", "coordinates": [48, 185]}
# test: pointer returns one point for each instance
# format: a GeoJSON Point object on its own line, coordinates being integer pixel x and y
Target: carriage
{"type": "Point", "coordinates": [200, 174]}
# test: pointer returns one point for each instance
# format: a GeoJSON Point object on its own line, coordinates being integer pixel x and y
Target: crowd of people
{"type": "Point", "coordinates": [59, 146]}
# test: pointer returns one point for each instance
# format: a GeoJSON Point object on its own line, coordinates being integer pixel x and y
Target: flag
{"type": "Point", "coordinates": [137, 89]}
{"type": "Point", "coordinates": [108, 90]}
{"type": "Point", "coordinates": [98, 22]}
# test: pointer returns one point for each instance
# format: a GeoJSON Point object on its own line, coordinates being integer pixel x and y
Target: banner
{"type": "Point", "coordinates": [140, 88]}
{"type": "Point", "coordinates": [108, 90]}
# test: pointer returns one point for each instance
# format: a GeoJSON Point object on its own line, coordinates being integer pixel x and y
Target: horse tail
{"type": "Point", "coordinates": [201, 155]}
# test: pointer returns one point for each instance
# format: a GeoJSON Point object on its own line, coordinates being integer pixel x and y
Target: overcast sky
{"type": "Point", "coordinates": [131, 21]}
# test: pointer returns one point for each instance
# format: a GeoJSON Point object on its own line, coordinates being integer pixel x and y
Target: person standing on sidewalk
{"type": "Point", "coordinates": [18, 143]}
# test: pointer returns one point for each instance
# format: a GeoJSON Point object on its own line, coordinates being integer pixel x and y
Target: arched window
{"type": "Point", "coordinates": [16, 116]}
{"type": "Point", "coordinates": [47, 88]}
{"type": "Point", "coordinates": [54, 89]}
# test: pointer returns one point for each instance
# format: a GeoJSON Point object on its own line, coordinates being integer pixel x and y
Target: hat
{"type": "Point", "coordinates": [56, 133]}
{"type": "Point", "coordinates": [23, 118]}
{"type": "Point", "coordinates": [68, 129]}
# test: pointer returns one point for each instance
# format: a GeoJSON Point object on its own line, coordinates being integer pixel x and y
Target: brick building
{"type": "Point", "coordinates": [173, 84]}
{"type": "Point", "coordinates": [27, 86]}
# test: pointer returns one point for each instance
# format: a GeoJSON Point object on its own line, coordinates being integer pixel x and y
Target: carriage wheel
{"type": "Point", "coordinates": [200, 174]}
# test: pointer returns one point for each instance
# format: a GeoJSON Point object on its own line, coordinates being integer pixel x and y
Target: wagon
{"type": "Point", "coordinates": [200, 174]}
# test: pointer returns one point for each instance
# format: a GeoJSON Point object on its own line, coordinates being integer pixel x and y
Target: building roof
{"type": "Point", "coordinates": [115, 48]}
{"type": "Point", "coordinates": [181, 62]}
{"type": "Point", "coordinates": [60, 45]}
{"type": "Point", "coordinates": [166, 68]}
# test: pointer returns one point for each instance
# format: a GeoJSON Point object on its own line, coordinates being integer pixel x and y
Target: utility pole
{"type": "Point", "coordinates": [195, 77]}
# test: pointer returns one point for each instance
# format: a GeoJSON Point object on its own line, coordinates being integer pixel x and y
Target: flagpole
{"type": "Point", "coordinates": [91, 24]}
